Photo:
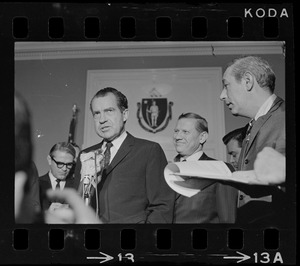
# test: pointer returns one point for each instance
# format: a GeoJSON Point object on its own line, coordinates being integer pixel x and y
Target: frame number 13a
{"type": "Point", "coordinates": [265, 257]}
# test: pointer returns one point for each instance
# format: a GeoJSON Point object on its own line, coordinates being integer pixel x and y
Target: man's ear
{"type": "Point", "coordinates": [125, 115]}
{"type": "Point", "coordinates": [49, 159]}
{"type": "Point", "coordinates": [249, 80]}
{"type": "Point", "coordinates": [203, 137]}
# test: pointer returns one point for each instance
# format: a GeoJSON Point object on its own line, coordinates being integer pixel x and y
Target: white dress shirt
{"type": "Point", "coordinates": [194, 157]}
{"type": "Point", "coordinates": [266, 106]}
{"type": "Point", "coordinates": [116, 144]}
{"type": "Point", "coordinates": [62, 183]}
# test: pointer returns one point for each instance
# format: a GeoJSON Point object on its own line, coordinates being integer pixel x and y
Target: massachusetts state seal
{"type": "Point", "coordinates": [154, 113]}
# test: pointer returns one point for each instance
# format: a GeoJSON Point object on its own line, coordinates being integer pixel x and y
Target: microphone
{"type": "Point", "coordinates": [92, 163]}
{"type": "Point", "coordinates": [99, 152]}
{"type": "Point", "coordinates": [86, 184]}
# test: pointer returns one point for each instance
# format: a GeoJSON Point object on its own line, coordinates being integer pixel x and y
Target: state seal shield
{"type": "Point", "coordinates": [154, 113]}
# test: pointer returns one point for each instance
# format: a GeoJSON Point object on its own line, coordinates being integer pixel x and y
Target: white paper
{"type": "Point", "coordinates": [201, 169]}
{"type": "Point", "coordinates": [172, 168]}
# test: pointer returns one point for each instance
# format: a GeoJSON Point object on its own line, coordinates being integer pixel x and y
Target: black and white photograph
{"type": "Point", "coordinates": [151, 149]}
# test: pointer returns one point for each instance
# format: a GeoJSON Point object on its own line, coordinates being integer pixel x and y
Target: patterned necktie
{"type": "Point", "coordinates": [57, 184]}
{"type": "Point", "coordinates": [245, 142]}
{"type": "Point", "coordinates": [107, 154]}
{"type": "Point", "coordinates": [249, 129]}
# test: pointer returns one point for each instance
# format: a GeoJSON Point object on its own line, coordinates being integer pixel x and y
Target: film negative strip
{"type": "Point", "coordinates": [172, 55]}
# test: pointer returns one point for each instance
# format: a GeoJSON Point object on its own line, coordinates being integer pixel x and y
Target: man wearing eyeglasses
{"type": "Point", "coordinates": [61, 160]}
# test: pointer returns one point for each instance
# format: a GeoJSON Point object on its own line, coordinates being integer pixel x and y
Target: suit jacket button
{"type": "Point", "coordinates": [246, 161]}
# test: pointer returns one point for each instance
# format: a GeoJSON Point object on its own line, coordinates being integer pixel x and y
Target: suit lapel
{"type": "Point", "coordinates": [255, 129]}
{"type": "Point", "coordinates": [204, 157]}
{"type": "Point", "coordinates": [206, 182]}
{"type": "Point", "coordinates": [70, 182]}
{"type": "Point", "coordinates": [177, 158]}
{"type": "Point", "coordinates": [260, 122]}
{"type": "Point", "coordinates": [124, 149]}
{"type": "Point", "coordinates": [47, 182]}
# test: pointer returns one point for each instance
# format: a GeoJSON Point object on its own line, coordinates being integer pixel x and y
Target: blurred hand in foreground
{"type": "Point", "coordinates": [269, 166]}
{"type": "Point", "coordinates": [77, 213]}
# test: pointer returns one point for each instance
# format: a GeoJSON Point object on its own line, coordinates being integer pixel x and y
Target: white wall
{"type": "Point", "coordinates": [190, 89]}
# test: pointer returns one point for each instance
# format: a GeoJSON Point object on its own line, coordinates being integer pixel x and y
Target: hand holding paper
{"type": "Point", "coordinates": [189, 178]}
{"type": "Point", "coordinates": [269, 169]}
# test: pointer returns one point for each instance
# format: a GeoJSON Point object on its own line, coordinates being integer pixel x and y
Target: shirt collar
{"type": "Point", "coordinates": [53, 179]}
{"type": "Point", "coordinates": [266, 106]}
{"type": "Point", "coordinates": [194, 157]}
{"type": "Point", "coordinates": [117, 142]}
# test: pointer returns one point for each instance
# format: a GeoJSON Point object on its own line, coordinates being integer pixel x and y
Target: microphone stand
{"type": "Point", "coordinates": [86, 194]}
{"type": "Point", "coordinates": [91, 180]}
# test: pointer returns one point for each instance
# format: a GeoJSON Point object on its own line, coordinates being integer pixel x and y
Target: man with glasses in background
{"type": "Point", "coordinates": [61, 160]}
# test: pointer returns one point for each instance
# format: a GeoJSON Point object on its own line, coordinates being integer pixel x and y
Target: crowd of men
{"type": "Point", "coordinates": [122, 177]}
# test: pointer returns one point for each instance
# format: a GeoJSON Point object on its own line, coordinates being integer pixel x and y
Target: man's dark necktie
{"type": "Point", "coordinates": [57, 184]}
{"type": "Point", "coordinates": [249, 129]}
{"type": "Point", "coordinates": [107, 154]}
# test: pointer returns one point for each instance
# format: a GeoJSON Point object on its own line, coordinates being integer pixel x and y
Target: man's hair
{"type": "Point", "coordinates": [238, 134]}
{"type": "Point", "coordinates": [201, 123]}
{"type": "Point", "coordinates": [259, 67]}
{"type": "Point", "coordinates": [23, 139]}
{"type": "Point", "coordinates": [63, 146]}
{"type": "Point", "coordinates": [122, 101]}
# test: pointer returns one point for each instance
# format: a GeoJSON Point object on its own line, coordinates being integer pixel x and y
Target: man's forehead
{"type": "Point", "coordinates": [109, 100]}
{"type": "Point", "coordinates": [186, 122]}
{"type": "Point", "coordinates": [227, 73]}
{"type": "Point", "coordinates": [233, 143]}
{"type": "Point", "coordinates": [61, 153]}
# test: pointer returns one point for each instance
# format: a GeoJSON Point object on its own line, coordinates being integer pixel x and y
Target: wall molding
{"type": "Point", "coordinates": [71, 50]}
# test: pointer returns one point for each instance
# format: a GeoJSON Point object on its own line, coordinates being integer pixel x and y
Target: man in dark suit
{"type": "Point", "coordinates": [60, 160]}
{"type": "Point", "coordinates": [248, 90]}
{"type": "Point", "coordinates": [212, 204]}
{"type": "Point", "coordinates": [130, 182]}
{"type": "Point", "coordinates": [234, 141]}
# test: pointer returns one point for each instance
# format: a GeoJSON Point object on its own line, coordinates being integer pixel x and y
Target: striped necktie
{"type": "Point", "coordinates": [107, 154]}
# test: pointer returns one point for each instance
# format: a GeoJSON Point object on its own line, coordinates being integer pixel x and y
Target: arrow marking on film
{"type": "Point", "coordinates": [104, 259]}
{"type": "Point", "coordinates": [241, 258]}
